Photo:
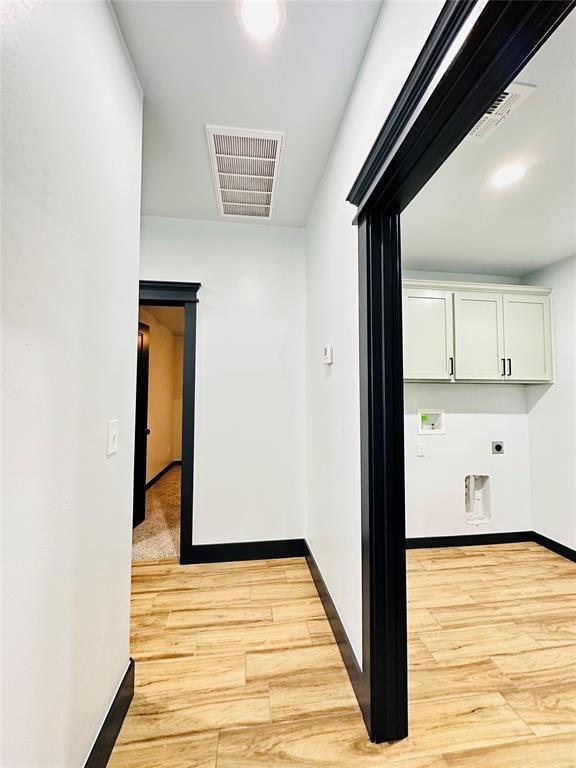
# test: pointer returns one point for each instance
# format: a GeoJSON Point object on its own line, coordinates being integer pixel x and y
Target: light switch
{"type": "Point", "coordinates": [113, 425]}
{"type": "Point", "coordinates": [420, 450]}
{"type": "Point", "coordinates": [327, 354]}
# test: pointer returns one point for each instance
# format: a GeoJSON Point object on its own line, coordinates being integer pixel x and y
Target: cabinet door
{"type": "Point", "coordinates": [527, 337]}
{"type": "Point", "coordinates": [428, 334]}
{"type": "Point", "coordinates": [479, 336]}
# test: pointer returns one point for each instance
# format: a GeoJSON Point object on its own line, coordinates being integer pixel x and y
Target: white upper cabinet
{"type": "Point", "coordinates": [428, 334]}
{"type": "Point", "coordinates": [476, 332]}
{"type": "Point", "coordinates": [479, 332]}
{"type": "Point", "coordinates": [527, 330]}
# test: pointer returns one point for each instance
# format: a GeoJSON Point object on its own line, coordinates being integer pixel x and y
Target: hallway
{"type": "Point", "coordinates": [236, 666]}
{"type": "Point", "coordinates": [288, 286]}
{"type": "Point", "coordinates": [158, 537]}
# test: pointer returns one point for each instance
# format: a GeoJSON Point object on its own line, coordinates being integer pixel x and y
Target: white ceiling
{"type": "Point", "coordinates": [460, 223]}
{"type": "Point", "coordinates": [197, 66]}
{"type": "Point", "coordinates": [170, 317]}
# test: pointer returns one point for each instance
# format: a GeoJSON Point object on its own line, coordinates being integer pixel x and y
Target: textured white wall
{"type": "Point", "coordinates": [249, 439]}
{"type": "Point", "coordinates": [552, 415]}
{"type": "Point", "coordinates": [71, 144]}
{"type": "Point", "coordinates": [333, 407]}
{"type": "Point", "coordinates": [476, 414]}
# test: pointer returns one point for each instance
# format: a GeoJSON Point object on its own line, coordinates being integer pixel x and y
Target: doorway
{"type": "Point", "coordinates": [158, 452]}
{"type": "Point", "coordinates": [164, 424]}
{"type": "Point", "coordinates": [473, 53]}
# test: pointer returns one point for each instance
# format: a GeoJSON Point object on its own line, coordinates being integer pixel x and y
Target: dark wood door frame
{"type": "Point", "coordinates": [435, 110]}
{"type": "Point", "coordinates": [172, 294]}
{"type": "Point", "coordinates": [142, 431]}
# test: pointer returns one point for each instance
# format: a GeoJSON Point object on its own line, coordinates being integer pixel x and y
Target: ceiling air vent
{"type": "Point", "coordinates": [499, 111]}
{"type": "Point", "coordinates": [245, 167]}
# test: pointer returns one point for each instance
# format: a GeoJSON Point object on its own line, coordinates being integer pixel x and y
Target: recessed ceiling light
{"type": "Point", "coordinates": [508, 174]}
{"type": "Point", "coordinates": [261, 19]}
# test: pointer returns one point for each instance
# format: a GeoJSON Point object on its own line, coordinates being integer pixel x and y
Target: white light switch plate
{"type": "Point", "coordinates": [420, 450]}
{"type": "Point", "coordinates": [112, 443]}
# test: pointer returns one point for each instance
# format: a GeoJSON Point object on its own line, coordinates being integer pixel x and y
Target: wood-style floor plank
{"type": "Point", "coordinates": [551, 752]}
{"type": "Point", "coordinates": [444, 725]}
{"type": "Point", "coordinates": [322, 742]}
{"type": "Point", "coordinates": [547, 710]}
{"type": "Point", "coordinates": [198, 751]}
{"type": "Point", "coordinates": [432, 680]}
{"type": "Point", "coordinates": [483, 640]}
{"type": "Point", "coordinates": [155, 716]}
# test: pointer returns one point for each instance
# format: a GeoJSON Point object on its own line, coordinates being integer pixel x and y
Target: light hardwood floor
{"type": "Point", "coordinates": [236, 666]}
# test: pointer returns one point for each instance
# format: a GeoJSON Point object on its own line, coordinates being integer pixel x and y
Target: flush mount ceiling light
{"type": "Point", "coordinates": [262, 20]}
{"type": "Point", "coordinates": [508, 174]}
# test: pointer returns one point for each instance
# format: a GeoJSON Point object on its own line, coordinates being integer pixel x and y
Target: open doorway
{"type": "Point", "coordinates": [489, 272]}
{"type": "Point", "coordinates": [443, 100]}
{"type": "Point", "coordinates": [158, 450]}
{"type": "Point", "coordinates": [164, 423]}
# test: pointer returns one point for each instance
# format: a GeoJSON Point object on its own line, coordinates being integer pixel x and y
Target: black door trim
{"type": "Point", "coordinates": [422, 131]}
{"type": "Point", "coordinates": [248, 550]}
{"type": "Point", "coordinates": [172, 294]}
{"type": "Point", "coordinates": [447, 26]}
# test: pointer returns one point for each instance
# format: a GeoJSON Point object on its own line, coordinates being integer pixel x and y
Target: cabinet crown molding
{"type": "Point", "coordinates": [450, 285]}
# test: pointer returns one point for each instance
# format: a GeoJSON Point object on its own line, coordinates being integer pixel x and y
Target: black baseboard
{"type": "Point", "coordinates": [245, 550]}
{"type": "Point", "coordinates": [554, 546]}
{"type": "Point", "coordinates": [167, 468]}
{"type": "Point", "coordinates": [469, 540]}
{"type": "Point", "coordinates": [104, 744]}
{"type": "Point", "coordinates": [357, 677]}
{"type": "Point", "coordinates": [475, 539]}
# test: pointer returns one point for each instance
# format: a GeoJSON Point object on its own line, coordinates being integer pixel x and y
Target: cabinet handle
{"type": "Point", "coordinates": [451, 366]}
{"type": "Point", "coordinates": [503, 361]}
{"type": "Point", "coordinates": [509, 366]}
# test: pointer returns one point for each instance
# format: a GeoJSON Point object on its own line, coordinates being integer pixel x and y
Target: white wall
{"type": "Point", "coordinates": [71, 142]}
{"type": "Point", "coordinates": [476, 414]}
{"type": "Point", "coordinates": [249, 439]}
{"type": "Point", "coordinates": [333, 417]}
{"type": "Point", "coordinates": [552, 415]}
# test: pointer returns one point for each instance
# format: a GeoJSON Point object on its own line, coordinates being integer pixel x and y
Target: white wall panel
{"type": "Point", "coordinates": [71, 156]}
{"type": "Point", "coordinates": [333, 394]}
{"type": "Point", "coordinates": [552, 414]}
{"type": "Point", "coordinates": [249, 440]}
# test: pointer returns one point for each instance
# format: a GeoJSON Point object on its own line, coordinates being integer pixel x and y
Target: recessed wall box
{"type": "Point", "coordinates": [431, 422]}
{"type": "Point", "coordinates": [477, 499]}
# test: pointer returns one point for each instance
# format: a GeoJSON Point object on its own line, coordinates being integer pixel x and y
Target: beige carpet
{"type": "Point", "coordinates": [158, 537]}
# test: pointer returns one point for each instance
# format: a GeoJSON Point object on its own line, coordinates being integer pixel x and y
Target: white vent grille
{"type": "Point", "coordinates": [245, 166]}
{"type": "Point", "coordinates": [499, 111]}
